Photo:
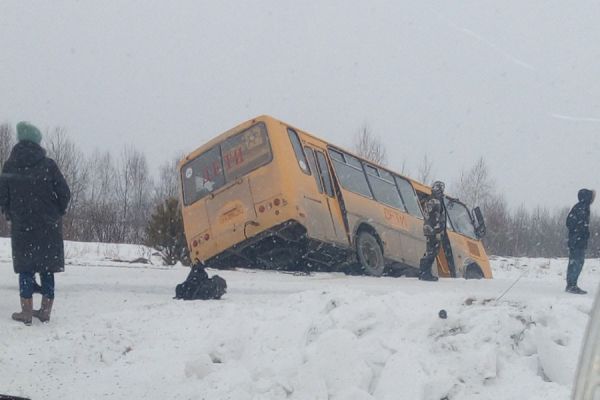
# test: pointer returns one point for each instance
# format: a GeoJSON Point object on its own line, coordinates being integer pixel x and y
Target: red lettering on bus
{"type": "Point", "coordinates": [239, 156]}
{"type": "Point", "coordinates": [235, 157]}
{"type": "Point", "coordinates": [393, 217]}
{"type": "Point", "coordinates": [216, 167]}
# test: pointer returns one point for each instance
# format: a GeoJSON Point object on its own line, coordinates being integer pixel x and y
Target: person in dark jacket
{"type": "Point", "coordinates": [434, 227]}
{"type": "Point", "coordinates": [578, 223]}
{"type": "Point", "coordinates": [34, 196]}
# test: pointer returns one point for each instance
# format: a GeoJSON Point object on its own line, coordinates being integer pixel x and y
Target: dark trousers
{"type": "Point", "coordinates": [431, 252]}
{"type": "Point", "coordinates": [576, 260]}
{"type": "Point", "coordinates": [27, 284]}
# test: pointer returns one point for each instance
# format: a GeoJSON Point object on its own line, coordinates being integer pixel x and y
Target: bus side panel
{"type": "Point", "coordinates": [362, 210]}
{"type": "Point", "coordinates": [410, 229]}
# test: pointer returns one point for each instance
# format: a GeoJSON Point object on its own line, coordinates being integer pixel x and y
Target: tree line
{"type": "Point", "coordinates": [114, 198]}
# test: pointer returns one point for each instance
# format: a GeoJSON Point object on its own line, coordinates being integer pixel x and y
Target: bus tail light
{"type": "Point", "coordinates": [261, 209]}
{"type": "Point", "coordinates": [195, 243]}
{"type": "Point", "coordinates": [277, 202]}
{"type": "Point", "coordinates": [206, 237]}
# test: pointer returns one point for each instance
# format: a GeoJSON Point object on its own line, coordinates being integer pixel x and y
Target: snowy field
{"type": "Point", "coordinates": [116, 333]}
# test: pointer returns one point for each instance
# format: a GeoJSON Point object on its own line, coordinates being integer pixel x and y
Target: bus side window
{"type": "Point", "coordinates": [299, 151]}
{"type": "Point", "coordinates": [310, 155]}
{"type": "Point", "coordinates": [384, 190]}
{"type": "Point", "coordinates": [350, 173]}
{"type": "Point", "coordinates": [325, 174]}
{"type": "Point", "coordinates": [407, 192]}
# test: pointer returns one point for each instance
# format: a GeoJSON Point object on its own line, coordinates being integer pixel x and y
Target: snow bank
{"type": "Point", "coordinates": [552, 269]}
{"type": "Point", "coordinates": [116, 333]}
{"type": "Point", "coordinates": [99, 254]}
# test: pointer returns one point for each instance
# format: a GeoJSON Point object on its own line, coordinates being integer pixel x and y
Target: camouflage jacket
{"type": "Point", "coordinates": [435, 217]}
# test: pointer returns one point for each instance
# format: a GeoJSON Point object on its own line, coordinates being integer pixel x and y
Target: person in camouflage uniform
{"type": "Point", "coordinates": [434, 227]}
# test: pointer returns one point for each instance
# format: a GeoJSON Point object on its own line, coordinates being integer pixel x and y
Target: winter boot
{"type": "Point", "coordinates": [574, 289]}
{"type": "Point", "coordinates": [43, 314]}
{"type": "Point", "coordinates": [428, 276]}
{"type": "Point", "coordinates": [26, 311]}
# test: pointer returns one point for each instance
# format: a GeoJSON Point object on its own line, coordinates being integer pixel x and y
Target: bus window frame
{"type": "Point", "coordinates": [416, 196]}
{"type": "Point", "coordinates": [362, 169]}
{"type": "Point", "coordinates": [291, 131]}
{"type": "Point", "coordinates": [184, 166]}
{"type": "Point", "coordinates": [329, 173]}
{"type": "Point", "coordinates": [234, 181]}
{"type": "Point", "coordinates": [317, 174]}
{"type": "Point", "coordinates": [463, 205]}
{"type": "Point", "coordinates": [378, 170]}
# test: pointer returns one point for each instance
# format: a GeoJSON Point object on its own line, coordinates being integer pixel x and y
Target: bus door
{"type": "Point", "coordinates": [466, 244]}
{"type": "Point", "coordinates": [326, 203]}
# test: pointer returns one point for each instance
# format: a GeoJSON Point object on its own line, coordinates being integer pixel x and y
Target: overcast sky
{"type": "Point", "coordinates": [517, 82]}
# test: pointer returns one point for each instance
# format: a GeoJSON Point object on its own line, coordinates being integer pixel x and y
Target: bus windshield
{"type": "Point", "coordinates": [224, 163]}
{"type": "Point", "coordinates": [460, 219]}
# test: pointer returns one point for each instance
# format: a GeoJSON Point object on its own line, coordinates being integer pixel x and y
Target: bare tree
{"type": "Point", "coordinates": [498, 220]}
{"type": "Point", "coordinates": [100, 214]}
{"type": "Point", "coordinates": [424, 170]}
{"type": "Point", "coordinates": [7, 141]}
{"type": "Point", "coordinates": [369, 146]}
{"type": "Point", "coordinates": [475, 186]}
{"type": "Point", "coordinates": [71, 161]}
{"type": "Point", "coordinates": [518, 232]}
{"type": "Point", "coordinates": [133, 189]}
{"type": "Point", "coordinates": [167, 184]}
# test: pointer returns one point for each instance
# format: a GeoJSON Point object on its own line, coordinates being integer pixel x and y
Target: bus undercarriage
{"type": "Point", "coordinates": [283, 247]}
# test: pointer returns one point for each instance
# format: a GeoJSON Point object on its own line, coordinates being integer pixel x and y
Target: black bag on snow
{"type": "Point", "coordinates": [198, 286]}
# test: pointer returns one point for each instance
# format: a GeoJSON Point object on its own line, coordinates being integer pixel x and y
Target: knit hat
{"type": "Point", "coordinates": [26, 131]}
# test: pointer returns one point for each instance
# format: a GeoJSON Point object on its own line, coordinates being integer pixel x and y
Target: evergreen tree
{"type": "Point", "coordinates": [165, 232]}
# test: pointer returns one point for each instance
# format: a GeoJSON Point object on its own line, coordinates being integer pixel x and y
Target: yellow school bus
{"type": "Point", "coordinates": [267, 194]}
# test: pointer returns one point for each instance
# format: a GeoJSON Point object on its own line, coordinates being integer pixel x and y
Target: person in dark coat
{"type": "Point", "coordinates": [434, 227]}
{"type": "Point", "coordinates": [34, 196]}
{"type": "Point", "coordinates": [578, 223]}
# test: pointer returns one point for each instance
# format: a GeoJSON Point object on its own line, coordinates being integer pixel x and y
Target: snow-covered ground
{"type": "Point", "coordinates": [116, 333]}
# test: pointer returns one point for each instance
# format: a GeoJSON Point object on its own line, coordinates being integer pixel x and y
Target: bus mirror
{"type": "Point", "coordinates": [479, 222]}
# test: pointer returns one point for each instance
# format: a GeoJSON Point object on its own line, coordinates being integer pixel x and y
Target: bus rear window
{"type": "Point", "coordinates": [202, 175]}
{"type": "Point", "coordinates": [246, 151]}
{"type": "Point", "coordinates": [224, 163]}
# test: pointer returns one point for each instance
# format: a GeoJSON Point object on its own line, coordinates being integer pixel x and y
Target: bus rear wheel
{"type": "Point", "coordinates": [370, 254]}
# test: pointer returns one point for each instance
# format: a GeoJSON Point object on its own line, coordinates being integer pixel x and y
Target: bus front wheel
{"type": "Point", "coordinates": [473, 272]}
{"type": "Point", "coordinates": [370, 254]}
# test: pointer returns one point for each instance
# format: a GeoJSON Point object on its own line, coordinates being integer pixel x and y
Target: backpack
{"type": "Point", "coordinates": [198, 286]}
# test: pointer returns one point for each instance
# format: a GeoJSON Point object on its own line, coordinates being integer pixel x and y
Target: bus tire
{"type": "Point", "coordinates": [369, 254]}
{"type": "Point", "coordinates": [473, 272]}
